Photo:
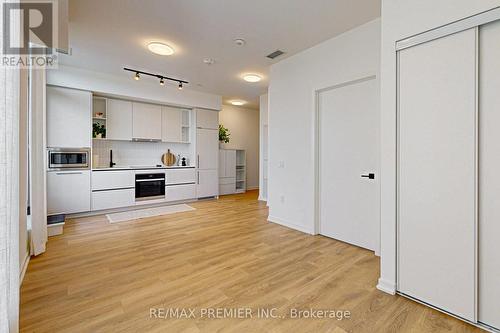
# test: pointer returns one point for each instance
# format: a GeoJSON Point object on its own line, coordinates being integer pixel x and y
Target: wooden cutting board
{"type": "Point", "coordinates": [168, 159]}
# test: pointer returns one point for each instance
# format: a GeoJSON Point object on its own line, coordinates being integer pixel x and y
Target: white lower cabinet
{"type": "Point", "coordinates": [68, 192]}
{"type": "Point", "coordinates": [180, 192]}
{"type": "Point", "coordinates": [208, 183]}
{"type": "Point", "coordinates": [108, 180]}
{"type": "Point", "coordinates": [113, 199]}
{"type": "Point", "coordinates": [227, 185]}
{"type": "Point", "coordinates": [180, 176]}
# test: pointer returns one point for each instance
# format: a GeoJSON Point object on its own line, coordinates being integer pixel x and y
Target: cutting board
{"type": "Point", "coordinates": [168, 159]}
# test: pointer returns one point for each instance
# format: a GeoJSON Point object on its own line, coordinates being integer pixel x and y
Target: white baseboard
{"type": "Point", "coordinates": [287, 224]}
{"type": "Point", "coordinates": [262, 199]}
{"type": "Point", "coordinates": [24, 268]}
{"type": "Point", "coordinates": [386, 286]}
{"type": "Point", "coordinates": [251, 188]}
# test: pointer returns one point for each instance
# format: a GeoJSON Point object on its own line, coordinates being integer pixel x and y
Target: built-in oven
{"type": "Point", "coordinates": [68, 158]}
{"type": "Point", "coordinates": [149, 186]}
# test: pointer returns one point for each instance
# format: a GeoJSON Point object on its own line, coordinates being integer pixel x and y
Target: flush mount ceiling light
{"type": "Point", "coordinates": [238, 102]}
{"type": "Point", "coordinates": [137, 76]}
{"type": "Point", "coordinates": [209, 61]}
{"type": "Point", "coordinates": [252, 78]}
{"type": "Point", "coordinates": [240, 42]}
{"type": "Point", "coordinates": [160, 48]}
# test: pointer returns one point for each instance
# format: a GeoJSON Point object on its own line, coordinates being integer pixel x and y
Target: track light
{"type": "Point", "coordinates": [163, 78]}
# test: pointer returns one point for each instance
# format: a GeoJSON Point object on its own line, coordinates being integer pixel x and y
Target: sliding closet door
{"type": "Point", "coordinates": [489, 175]}
{"type": "Point", "coordinates": [437, 173]}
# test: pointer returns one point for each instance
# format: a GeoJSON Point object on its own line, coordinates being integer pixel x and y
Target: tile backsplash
{"type": "Point", "coordinates": [127, 153]}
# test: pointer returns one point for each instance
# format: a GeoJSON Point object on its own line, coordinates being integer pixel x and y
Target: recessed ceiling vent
{"type": "Point", "coordinates": [275, 54]}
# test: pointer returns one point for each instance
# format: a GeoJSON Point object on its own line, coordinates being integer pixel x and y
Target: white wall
{"type": "Point", "coordinates": [124, 86]}
{"type": "Point", "coordinates": [293, 82]}
{"type": "Point", "coordinates": [244, 127]}
{"type": "Point", "coordinates": [264, 146]}
{"type": "Point", "coordinates": [402, 19]}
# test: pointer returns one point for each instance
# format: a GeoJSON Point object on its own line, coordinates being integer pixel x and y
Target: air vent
{"type": "Point", "coordinates": [275, 54]}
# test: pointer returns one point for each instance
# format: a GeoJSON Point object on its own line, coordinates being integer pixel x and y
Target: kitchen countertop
{"type": "Point", "coordinates": [145, 167]}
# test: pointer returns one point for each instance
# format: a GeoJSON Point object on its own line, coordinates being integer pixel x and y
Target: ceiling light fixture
{"type": "Point", "coordinates": [160, 48]}
{"type": "Point", "coordinates": [240, 42]}
{"type": "Point", "coordinates": [238, 102]}
{"type": "Point", "coordinates": [252, 78]}
{"type": "Point", "coordinates": [162, 78]}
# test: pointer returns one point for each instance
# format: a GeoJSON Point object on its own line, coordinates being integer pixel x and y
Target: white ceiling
{"type": "Point", "coordinates": [107, 35]}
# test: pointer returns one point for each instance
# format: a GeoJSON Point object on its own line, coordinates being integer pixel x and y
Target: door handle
{"type": "Point", "coordinates": [369, 176]}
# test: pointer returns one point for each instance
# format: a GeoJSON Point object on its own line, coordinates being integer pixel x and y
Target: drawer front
{"type": "Point", "coordinates": [227, 189]}
{"type": "Point", "coordinates": [227, 180]}
{"type": "Point", "coordinates": [180, 176]}
{"type": "Point", "coordinates": [180, 192]}
{"type": "Point", "coordinates": [108, 180]}
{"type": "Point", "coordinates": [113, 199]}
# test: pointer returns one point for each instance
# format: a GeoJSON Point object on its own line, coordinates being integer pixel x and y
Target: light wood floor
{"type": "Point", "coordinates": [101, 277]}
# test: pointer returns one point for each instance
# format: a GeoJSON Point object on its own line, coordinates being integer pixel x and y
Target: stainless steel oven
{"type": "Point", "coordinates": [149, 186]}
{"type": "Point", "coordinates": [68, 158]}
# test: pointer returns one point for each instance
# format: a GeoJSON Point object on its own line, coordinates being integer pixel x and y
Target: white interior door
{"type": "Point", "coordinates": [349, 204]}
{"type": "Point", "coordinates": [489, 180]}
{"type": "Point", "coordinates": [437, 173]}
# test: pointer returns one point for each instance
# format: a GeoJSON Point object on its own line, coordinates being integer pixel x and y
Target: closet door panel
{"type": "Point", "coordinates": [437, 172]}
{"type": "Point", "coordinates": [489, 180]}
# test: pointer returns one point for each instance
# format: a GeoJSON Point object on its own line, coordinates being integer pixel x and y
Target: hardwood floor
{"type": "Point", "coordinates": [101, 277]}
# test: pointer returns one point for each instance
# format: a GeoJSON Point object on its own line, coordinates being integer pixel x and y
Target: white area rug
{"type": "Point", "coordinates": [148, 212]}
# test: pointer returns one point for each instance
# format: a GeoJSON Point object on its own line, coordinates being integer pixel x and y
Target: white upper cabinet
{"type": "Point", "coordinates": [119, 120]}
{"type": "Point", "coordinates": [207, 119]}
{"type": "Point", "coordinates": [171, 129]}
{"type": "Point", "coordinates": [147, 122]}
{"type": "Point", "coordinates": [69, 118]}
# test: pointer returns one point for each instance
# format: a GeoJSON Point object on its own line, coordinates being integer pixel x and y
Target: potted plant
{"type": "Point", "coordinates": [223, 135]}
{"type": "Point", "coordinates": [98, 131]}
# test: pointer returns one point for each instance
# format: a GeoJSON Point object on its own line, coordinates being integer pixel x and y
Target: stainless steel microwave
{"type": "Point", "coordinates": [68, 158]}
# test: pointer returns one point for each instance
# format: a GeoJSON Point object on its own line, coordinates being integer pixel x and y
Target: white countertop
{"type": "Point", "coordinates": [141, 167]}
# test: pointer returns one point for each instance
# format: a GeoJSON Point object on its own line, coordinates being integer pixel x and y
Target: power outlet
{"type": "Point", "coordinates": [281, 164]}
{"type": "Point", "coordinates": [282, 199]}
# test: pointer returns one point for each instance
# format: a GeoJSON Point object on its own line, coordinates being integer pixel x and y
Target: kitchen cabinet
{"type": "Point", "coordinates": [113, 199]}
{"type": "Point", "coordinates": [118, 120]}
{"type": "Point", "coordinates": [207, 119]}
{"type": "Point", "coordinates": [208, 183]}
{"type": "Point", "coordinates": [207, 146]}
{"type": "Point", "coordinates": [108, 180]}
{"type": "Point", "coordinates": [69, 118]}
{"type": "Point", "coordinates": [180, 192]}
{"type": "Point", "coordinates": [68, 192]}
{"type": "Point", "coordinates": [146, 121]}
{"type": "Point", "coordinates": [180, 176]}
{"type": "Point", "coordinates": [171, 121]}
{"type": "Point", "coordinates": [227, 171]}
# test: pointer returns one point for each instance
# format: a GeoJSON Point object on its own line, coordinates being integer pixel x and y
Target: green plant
{"type": "Point", "coordinates": [224, 134]}
{"type": "Point", "coordinates": [98, 129]}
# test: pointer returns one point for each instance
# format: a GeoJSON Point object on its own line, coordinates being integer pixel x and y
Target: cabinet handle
{"type": "Point", "coordinates": [198, 158]}
{"type": "Point", "coordinates": [68, 173]}
{"type": "Point", "coordinates": [198, 181]}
